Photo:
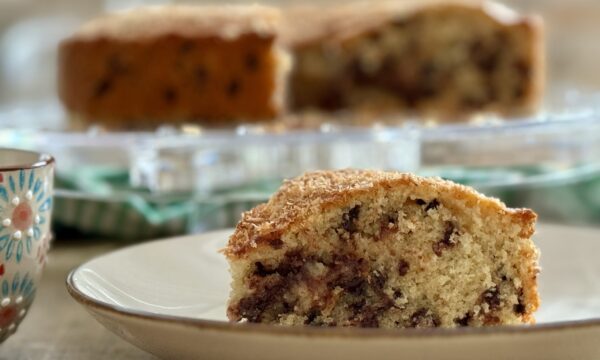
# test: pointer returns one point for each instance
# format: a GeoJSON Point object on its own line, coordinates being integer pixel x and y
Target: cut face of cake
{"type": "Point", "coordinates": [174, 64]}
{"type": "Point", "coordinates": [442, 59]}
{"type": "Point", "coordinates": [382, 249]}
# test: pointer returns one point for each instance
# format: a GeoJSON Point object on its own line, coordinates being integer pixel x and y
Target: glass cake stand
{"type": "Point", "coordinates": [217, 173]}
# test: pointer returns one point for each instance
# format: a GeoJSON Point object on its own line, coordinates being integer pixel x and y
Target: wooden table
{"type": "Point", "coordinates": [59, 328]}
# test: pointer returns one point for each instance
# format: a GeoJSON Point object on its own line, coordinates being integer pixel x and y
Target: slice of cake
{"type": "Point", "coordinates": [165, 64]}
{"type": "Point", "coordinates": [382, 249]}
{"type": "Point", "coordinates": [442, 59]}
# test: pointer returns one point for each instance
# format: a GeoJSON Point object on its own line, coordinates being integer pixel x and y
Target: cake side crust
{"type": "Point", "coordinates": [175, 64]}
{"type": "Point", "coordinates": [147, 22]}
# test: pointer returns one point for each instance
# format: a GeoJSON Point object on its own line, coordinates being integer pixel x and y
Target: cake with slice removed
{"type": "Point", "coordinates": [173, 64]}
{"type": "Point", "coordinates": [382, 249]}
{"type": "Point", "coordinates": [441, 59]}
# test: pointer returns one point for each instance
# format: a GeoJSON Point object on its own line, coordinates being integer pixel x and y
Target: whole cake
{"type": "Point", "coordinates": [382, 249]}
{"type": "Point", "coordinates": [165, 64]}
{"type": "Point", "coordinates": [440, 59]}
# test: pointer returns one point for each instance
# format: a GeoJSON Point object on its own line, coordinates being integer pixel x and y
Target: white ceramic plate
{"type": "Point", "coordinates": [168, 297]}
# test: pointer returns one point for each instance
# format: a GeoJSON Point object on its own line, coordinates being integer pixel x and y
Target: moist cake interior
{"type": "Point", "coordinates": [446, 60]}
{"type": "Point", "coordinates": [393, 259]}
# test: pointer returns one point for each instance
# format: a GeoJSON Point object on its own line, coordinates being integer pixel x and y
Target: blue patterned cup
{"type": "Point", "coordinates": [26, 187]}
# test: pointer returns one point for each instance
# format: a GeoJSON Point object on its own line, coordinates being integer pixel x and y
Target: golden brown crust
{"type": "Point", "coordinates": [314, 192]}
{"type": "Point", "coordinates": [189, 21]}
{"type": "Point", "coordinates": [306, 25]}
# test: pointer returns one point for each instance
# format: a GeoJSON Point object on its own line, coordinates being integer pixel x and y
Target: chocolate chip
{"type": "Point", "coordinates": [356, 285]}
{"type": "Point", "coordinates": [438, 247]}
{"type": "Point", "coordinates": [267, 296]}
{"type": "Point", "coordinates": [116, 66]}
{"type": "Point", "coordinates": [463, 321]}
{"type": "Point", "coordinates": [186, 46]}
{"type": "Point", "coordinates": [353, 213]}
{"type": "Point", "coordinates": [357, 72]}
{"type": "Point", "coordinates": [392, 219]}
{"type": "Point", "coordinates": [311, 316]}
{"type": "Point", "coordinates": [332, 100]}
{"type": "Point", "coordinates": [262, 271]}
{"type": "Point", "coordinates": [201, 75]}
{"type": "Point", "coordinates": [520, 89]}
{"type": "Point", "coordinates": [474, 102]}
{"type": "Point", "coordinates": [287, 307]}
{"type": "Point", "coordinates": [397, 294]}
{"type": "Point", "coordinates": [296, 258]}
{"type": "Point", "coordinates": [369, 319]}
{"type": "Point", "coordinates": [249, 310]}
{"type": "Point", "coordinates": [349, 218]}
{"type": "Point", "coordinates": [367, 315]}
{"type": "Point", "coordinates": [448, 233]}
{"type": "Point", "coordinates": [374, 36]}
{"type": "Point", "coordinates": [251, 62]}
{"type": "Point", "coordinates": [502, 38]}
{"type": "Point", "coordinates": [433, 204]}
{"type": "Point", "coordinates": [170, 95]}
{"type": "Point", "coordinates": [357, 306]}
{"type": "Point", "coordinates": [403, 267]}
{"type": "Point", "coordinates": [276, 243]}
{"type": "Point", "coordinates": [399, 80]}
{"type": "Point", "coordinates": [523, 68]}
{"type": "Point", "coordinates": [400, 23]}
{"type": "Point", "coordinates": [423, 318]}
{"type": "Point", "coordinates": [233, 88]}
{"type": "Point", "coordinates": [492, 297]}
{"type": "Point", "coordinates": [378, 280]}
{"type": "Point", "coordinates": [387, 225]}
{"type": "Point", "coordinates": [412, 83]}
{"type": "Point", "coordinates": [345, 272]}
{"type": "Point", "coordinates": [292, 263]}
{"type": "Point", "coordinates": [447, 240]}
{"type": "Point", "coordinates": [485, 58]}
{"type": "Point", "coordinates": [476, 48]}
{"type": "Point", "coordinates": [520, 307]}
{"type": "Point", "coordinates": [429, 84]}
{"type": "Point", "coordinates": [103, 87]}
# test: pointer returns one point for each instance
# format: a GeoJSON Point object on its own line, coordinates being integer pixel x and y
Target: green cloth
{"type": "Point", "coordinates": [100, 202]}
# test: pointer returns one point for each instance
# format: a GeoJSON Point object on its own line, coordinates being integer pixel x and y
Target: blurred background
{"type": "Point", "coordinates": [31, 29]}
{"type": "Point", "coordinates": [173, 181]}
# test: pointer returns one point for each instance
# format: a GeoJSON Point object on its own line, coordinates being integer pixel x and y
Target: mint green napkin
{"type": "Point", "coordinates": [99, 202]}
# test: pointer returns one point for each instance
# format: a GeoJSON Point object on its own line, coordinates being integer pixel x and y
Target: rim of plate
{"type": "Point", "coordinates": [43, 160]}
{"type": "Point", "coordinates": [347, 332]}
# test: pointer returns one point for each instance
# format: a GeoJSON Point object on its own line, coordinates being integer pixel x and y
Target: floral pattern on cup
{"type": "Point", "coordinates": [16, 295]}
{"type": "Point", "coordinates": [26, 189]}
{"type": "Point", "coordinates": [25, 203]}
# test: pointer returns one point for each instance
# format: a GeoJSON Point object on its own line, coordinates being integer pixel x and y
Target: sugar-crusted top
{"type": "Point", "coordinates": [308, 194]}
{"type": "Point", "coordinates": [307, 24]}
{"type": "Point", "coordinates": [226, 21]}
